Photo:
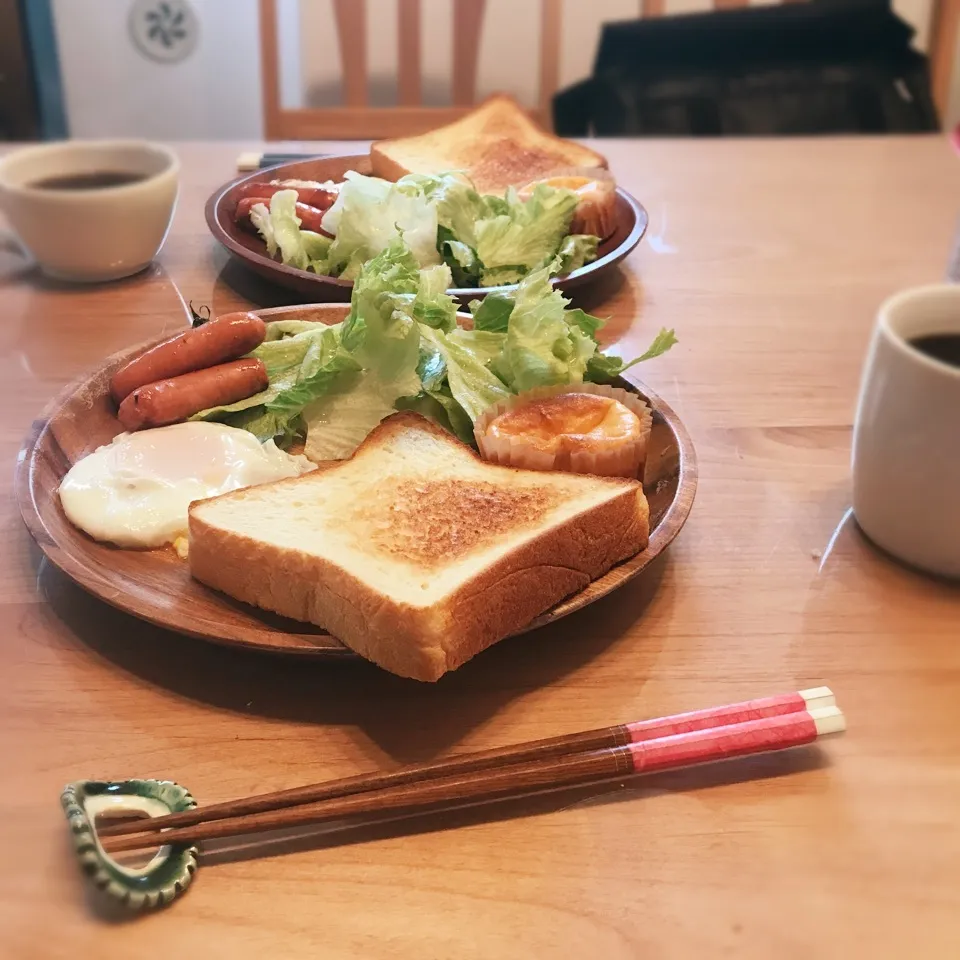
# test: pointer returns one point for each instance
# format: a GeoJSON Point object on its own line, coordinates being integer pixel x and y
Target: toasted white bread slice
{"type": "Point", "coordinates": [497, 146]}
{"type": "Point", "coordinates": [416, 553]}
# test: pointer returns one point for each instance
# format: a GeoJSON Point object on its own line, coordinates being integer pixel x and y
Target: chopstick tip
{"type": "Point", "coordinates": [828, 720]}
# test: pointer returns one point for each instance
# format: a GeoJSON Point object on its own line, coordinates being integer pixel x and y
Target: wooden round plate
{"type": "Point", "coordinates": [156, 586]}
{"type": "Point", "coordinates": [250, 250]}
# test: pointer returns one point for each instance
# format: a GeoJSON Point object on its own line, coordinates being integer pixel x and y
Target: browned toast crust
{"type": "Point", "coordinates": [497, 146]}
{"type": "Point", "coordinates": [424, 642]}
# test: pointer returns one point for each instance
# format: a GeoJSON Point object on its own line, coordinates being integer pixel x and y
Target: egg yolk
{"type": "Point", "coordinates": [568, 420]}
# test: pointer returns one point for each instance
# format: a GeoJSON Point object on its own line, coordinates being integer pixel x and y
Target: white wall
{"type": "Point", "coordinates": [111, 89]}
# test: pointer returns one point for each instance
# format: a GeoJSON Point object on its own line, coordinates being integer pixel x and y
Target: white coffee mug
{"type": "Point", "coordinates": [95, 234]}
{"type": "Point", "coordinates": [906, 441]}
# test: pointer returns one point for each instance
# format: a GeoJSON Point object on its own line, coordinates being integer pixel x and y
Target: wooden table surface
{"type": "Point", "coordinates": [769, 259]}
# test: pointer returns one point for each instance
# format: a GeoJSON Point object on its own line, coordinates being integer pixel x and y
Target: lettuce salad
{"type": "Point", "coordinates": [400, 348]}
{"type": "Point", "coordinates": [485, 241]}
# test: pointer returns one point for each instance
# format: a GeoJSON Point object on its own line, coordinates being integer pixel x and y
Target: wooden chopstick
{"type": "Point", "coordinates": [248, 162]}
{"type": "Point", "coordinates": [675, 751]}
{"type": "Point", "coordinates": [605, 738]}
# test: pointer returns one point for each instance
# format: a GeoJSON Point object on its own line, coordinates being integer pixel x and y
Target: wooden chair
{"type": "Point", "coordinates": [942, 50]}
{"type": "Point", "coordinates": [356, 119]}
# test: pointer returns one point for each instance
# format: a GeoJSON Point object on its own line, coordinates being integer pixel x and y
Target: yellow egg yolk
{"type": "Point", "coordinates": [567, 420]}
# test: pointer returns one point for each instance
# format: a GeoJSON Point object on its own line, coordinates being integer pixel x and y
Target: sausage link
{"type": "Point", "coordinates": [310, 192]}
{"type": "Point", "coordinates": [177, 398]}
{"type": "Point", "coordinates": [242, 213]}
{"type": "Point", "coordinates": [310, 217]}
{"type": "Point", "coordinates": [217, 341]}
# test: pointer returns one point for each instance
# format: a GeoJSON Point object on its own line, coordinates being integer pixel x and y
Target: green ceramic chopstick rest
{"type": "Point", "coordinates": [171, 869]}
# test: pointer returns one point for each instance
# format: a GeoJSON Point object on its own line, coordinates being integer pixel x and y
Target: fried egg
{"type": "Point", "coordinates": [135, 491]}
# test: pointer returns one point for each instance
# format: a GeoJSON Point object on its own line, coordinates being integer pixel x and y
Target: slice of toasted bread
{"type": "Point", "coordinates": [497, 146]}
{"type": "Point", "coordinates": [416, 553]}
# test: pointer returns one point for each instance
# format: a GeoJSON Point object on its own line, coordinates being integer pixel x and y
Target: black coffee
{"type": "Point", "coordinates": [92, 180]}
{"type": "Point", "coordinates": [941, 346]}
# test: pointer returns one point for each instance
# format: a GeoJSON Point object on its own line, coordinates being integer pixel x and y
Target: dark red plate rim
{"type": "Point", "coordinates": [632, 221]}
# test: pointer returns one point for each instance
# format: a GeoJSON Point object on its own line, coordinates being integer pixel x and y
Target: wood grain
{"type": "Point", "coordinates": [356, 119]}
{"type": "Point", "coordinates": [549, 774]}
{"type": "Point", "coordinates": [770, 258]}
{"type": "Point", "coordinates": [273, 119]}
{"type": "Point", "coordinates": [249, 249]}
{"type": "Point", "coordinates": [942, 50]}
{"type": "Point", "coordinates": [156, 585]}
{"type": "Point", "coordinates": [467, 33]}
{"type": "Point", "coordinates": [351, 21]}
{"type": "Point", "coordinates": [513, 781]}
{"type": "Point", "coordinates": [408, 53]}
{"type": "Point", "coordinates": [581, 742]}
{"type": "Point", "coordinates": [551, 31]}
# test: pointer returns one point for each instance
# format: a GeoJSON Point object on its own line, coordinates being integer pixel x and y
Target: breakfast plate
{"type": "Point", "coordinates": [249, 249]}
{"type": "Point", "coordinates": [156, 586]}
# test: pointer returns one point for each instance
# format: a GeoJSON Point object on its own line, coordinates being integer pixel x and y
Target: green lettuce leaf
{"type": "Point", "coordinates": [502, 276]}
{"type": "Point", "coordinates": [439, 406]}
{"type": "Point", "coordinates": [338, 422]}
{"type": "Point", "coordinates": [319, 381]}
{"type": "Point", "coordinates": [528, 234]}
{"type": "Point", "coordinates": [265, 425]}
{"type": "Point", "coordinates": [281, 329]}
{"type": "Point", "coordinates": [388, 282]}
{"type": "Point", "coordinates": [576, 250]}
{"type": "Point", "coordinates": [458, 204]}
{"type": "Point", "coordinates": [432, 366]}
{"type": "Point", "coordinates": [378, 356]}
{"type": "Point", "coordinates": [260, 218]}
{"type": "Point", "coordinates": [542, 348]}
{"type": "Point", "coordinates": [492, 312]}
{"type": "Point", "coordinates": [317, 248]}
{"type": "Point", "coordinates": [286, 229]}
{"type": "Point", "coordinates": [460, 258]}
{"type": "Point", "coordinates": [369, 214]}
{"type": "Point", "coordinates": [585, 321]}
{"type": "Point", "coordinates": [603, 368]}
{"type": "Point", "coordinates": [485, 345]}
{"type": "Point", "coordinates": [460, 423]}
{"type": "Point", "coordinates": [498, 206]}
{"type": "Point", "coordinates": [471, 384]}
{"type": "Point", "coordinates": [279, 226]}
{"type": "Point", "coordinates": [432, 306]}
{"type": "Point", "coordinates": [380, 330]}
{"type": "Point", "coordinates": [283, 354]}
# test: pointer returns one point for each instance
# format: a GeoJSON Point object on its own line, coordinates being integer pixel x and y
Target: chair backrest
{"type": "Point", "coordinates": [942, 51]}
{"type": "Point", "coordinates": [356, 119]}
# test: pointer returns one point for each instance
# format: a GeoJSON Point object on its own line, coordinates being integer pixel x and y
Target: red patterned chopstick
{"type": "Point", "coordinates": [615, 736]}
{"type": "Point", "coordinates": [785, 703]}
{"type": "Point", "coordinates": [679, 750]}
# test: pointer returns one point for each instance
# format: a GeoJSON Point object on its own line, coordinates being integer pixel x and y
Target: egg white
{"type": "Point", "coordinates": [135, 491]}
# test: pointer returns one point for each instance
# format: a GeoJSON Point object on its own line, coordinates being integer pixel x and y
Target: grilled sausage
{"type": "Point", "coordinates": [310, 217]}
{"type": "Point", "coordinates": [217, 341]}
{"type": "Point", "coordinates": [176, 399]}
{"type": "Point", "coordinates": [310, 192]}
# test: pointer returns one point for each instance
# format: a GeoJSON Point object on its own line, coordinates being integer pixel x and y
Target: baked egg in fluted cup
{"type": "Point", "coordinates": [578, 428]}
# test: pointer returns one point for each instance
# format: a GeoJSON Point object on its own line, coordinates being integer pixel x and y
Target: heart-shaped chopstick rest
{"type": "Point", "coordinates": [170, 870]}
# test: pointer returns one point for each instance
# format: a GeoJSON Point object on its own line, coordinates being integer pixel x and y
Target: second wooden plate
{"type": "Point", "coordinates": [250, 250]}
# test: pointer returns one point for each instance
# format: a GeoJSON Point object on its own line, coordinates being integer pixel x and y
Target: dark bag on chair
{"type": "Point", "coordinates": [825, 66]}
